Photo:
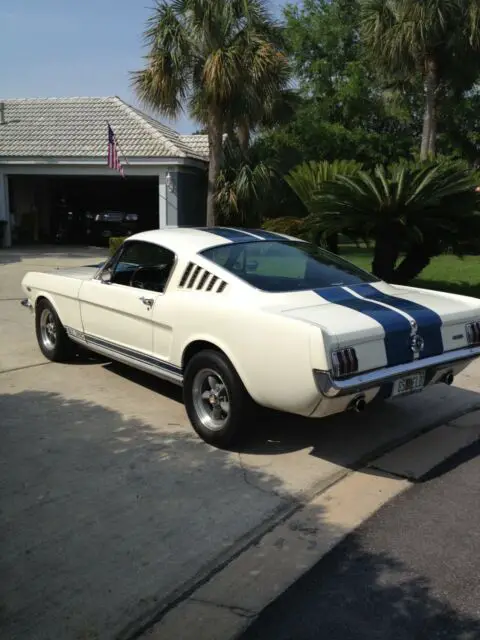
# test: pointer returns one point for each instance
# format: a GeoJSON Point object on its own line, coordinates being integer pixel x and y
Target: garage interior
{"type": "Point", "coordinates": [40, 206]}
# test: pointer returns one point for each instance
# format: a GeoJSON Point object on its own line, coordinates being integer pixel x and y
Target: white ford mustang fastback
{"type": "Point", "coordinates": [242, 318]}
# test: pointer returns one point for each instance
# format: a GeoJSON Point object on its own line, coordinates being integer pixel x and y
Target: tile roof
{"type": "Point", "coordinates": [198, 142]}
{"type": "Point", "coordinates": [77, 127]}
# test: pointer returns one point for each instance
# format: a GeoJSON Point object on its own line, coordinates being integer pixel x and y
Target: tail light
{"type": "Point", "coordinates": [344, 362]}
{"type": "Point", "coordinates": [473, 333]}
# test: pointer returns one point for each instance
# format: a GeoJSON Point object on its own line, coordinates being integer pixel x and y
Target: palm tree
{"type": "Point", "coordinates": [263, 106]}
{"type": "Point", "coordinates": [242, 186]}
{"type": "Point", "coordinates": [205, 53]}
{"type": "Point", "coordinates": [438, 39]}
{"type": "Point", "coordinates": [415, 210]}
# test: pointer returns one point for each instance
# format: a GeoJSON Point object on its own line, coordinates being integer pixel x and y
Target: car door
{"type": "Point", "coordinates": [117, 306]}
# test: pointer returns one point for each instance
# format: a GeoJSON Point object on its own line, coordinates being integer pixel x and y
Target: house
{"type": "Point", "coordinates": [53, 153]}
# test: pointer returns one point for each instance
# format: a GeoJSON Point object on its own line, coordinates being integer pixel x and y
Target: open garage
{"type": "Point", "coordinates": [63, 208]}
{"type": "Point", "coordinates": [55, 179]}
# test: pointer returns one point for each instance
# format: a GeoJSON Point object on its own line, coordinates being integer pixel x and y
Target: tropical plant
{"type": "Point", "coordinates": [307, 181]}
{"type": "Point", "coordinates": [242, 186]}
{"type": "Point", "coordinates": [415, 211]}
{"type": "Point", "coordinates": [438, 40]}
{"type": "Point", "coordinates": [259, 108]}
{"type": "Point", "coordinates": [205, 54]}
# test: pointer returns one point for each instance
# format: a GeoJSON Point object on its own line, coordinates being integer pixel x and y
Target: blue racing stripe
{"type": "Point", "coordinates": [265, 235]}
{"type": "Point", "coordinates": [397, 328]}
{"type": "Point", "coordinates": [235, 235]}
{"type": "Point", "coordinates": [428, 321]}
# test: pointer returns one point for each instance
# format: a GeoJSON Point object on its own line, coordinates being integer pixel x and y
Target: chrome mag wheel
{"type": "Point", "coordinates": [211, 399]}
{"type": "Point", "coordinates": [48, 329]}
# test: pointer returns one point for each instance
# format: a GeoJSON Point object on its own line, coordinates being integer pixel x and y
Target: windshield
{"type": "Point", "coordinates": [286, 265]}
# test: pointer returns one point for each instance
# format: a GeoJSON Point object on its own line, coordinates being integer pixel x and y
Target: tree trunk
{"type": "Point", "coordinates": [215, 143]}
{"type": "Point", "coordinates": [413, 264]}
{"type": "Point", "coordinates": [332, 243]}
{"type": "Point", "coordinates": [429, 133]}
{"type": "Point", "coordinates": [230, 130]}
{"type": "Point", "coordinates": [385, 254]}
{"type": "Point", "coordinates": [243, 132]}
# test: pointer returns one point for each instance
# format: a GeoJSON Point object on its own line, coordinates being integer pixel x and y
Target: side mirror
{"type": "Point", "coordinates": [106, 276]}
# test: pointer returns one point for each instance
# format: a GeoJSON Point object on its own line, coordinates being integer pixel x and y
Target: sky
{"type": "Point", "coordinates": [62, 48]}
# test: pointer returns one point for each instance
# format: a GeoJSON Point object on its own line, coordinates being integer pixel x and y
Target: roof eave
{"type": "Point", "coordinates": [81, 161]}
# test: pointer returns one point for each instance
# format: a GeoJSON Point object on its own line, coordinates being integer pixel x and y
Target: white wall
{"type": "Point", "coordinates": [4, 212]}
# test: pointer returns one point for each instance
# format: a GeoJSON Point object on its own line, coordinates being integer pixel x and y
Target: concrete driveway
{"type": "Point", "coordinates": [111, 507]}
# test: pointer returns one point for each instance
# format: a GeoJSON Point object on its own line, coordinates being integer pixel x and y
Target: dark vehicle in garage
{"type": "Point", "coordinates": [107, 224]}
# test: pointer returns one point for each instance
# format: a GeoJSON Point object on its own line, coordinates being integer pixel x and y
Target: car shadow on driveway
{"type": "Point", "coordinates": [106, 518]}
{"type": "Point", "coordinates": [348, 440]}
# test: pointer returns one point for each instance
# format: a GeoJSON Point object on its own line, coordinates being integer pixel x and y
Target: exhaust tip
{"type": "Point", "coordinates": [448, 378]}
{"type": "Point", "coordinates": [358, 404]}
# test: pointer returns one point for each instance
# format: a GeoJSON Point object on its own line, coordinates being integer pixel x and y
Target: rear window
{"type": "Point", "coordinates": [286, 266]}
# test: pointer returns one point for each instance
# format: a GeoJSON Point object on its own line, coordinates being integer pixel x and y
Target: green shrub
{"type": "Point", "coordinates": [288, 225]}
{"type": "Point", "coordinates": [113, 244]}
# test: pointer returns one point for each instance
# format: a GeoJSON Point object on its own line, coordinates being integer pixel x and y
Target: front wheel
{"type": "Point", "coordinates": [51, 335]}
{"type": "Point", "coordinates": [217, 403]}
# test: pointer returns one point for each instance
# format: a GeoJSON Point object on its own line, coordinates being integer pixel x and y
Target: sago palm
{"type": "Point", "coordinates": [307, 181]}
{"type": "Point", "coordinates": [417, 210]}
{"type": "Point", "coordinates": [204, 53]}
{"type": "Point", "coordinates": [438, 39]}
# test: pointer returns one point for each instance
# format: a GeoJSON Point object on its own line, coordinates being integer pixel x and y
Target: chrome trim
{"type": "Point", "coordinates": [331, 387]}
{"type": "Point", "coordinates": [148, 363]}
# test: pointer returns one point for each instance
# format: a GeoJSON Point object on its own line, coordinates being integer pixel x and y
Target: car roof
{"type": "Point", "coordinates": [196, 239]}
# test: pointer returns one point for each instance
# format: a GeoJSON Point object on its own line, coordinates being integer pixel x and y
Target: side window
{"type": "Point", "coordinates": [143, 265]}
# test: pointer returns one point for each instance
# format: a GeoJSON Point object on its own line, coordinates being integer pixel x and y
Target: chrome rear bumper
{"type": "Point", "coordinates": [333, 387]}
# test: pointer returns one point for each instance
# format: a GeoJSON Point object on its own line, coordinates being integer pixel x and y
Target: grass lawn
{"type": "Point", "coordinates": [444, 273]}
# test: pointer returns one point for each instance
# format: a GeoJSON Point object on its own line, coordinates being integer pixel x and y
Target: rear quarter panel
{"type": "Point", "coordinates": [459, 309]}
{"type": "Point", "coordinates": [271, 353]}
{"type": "Point", "coordinates": [61, 291]}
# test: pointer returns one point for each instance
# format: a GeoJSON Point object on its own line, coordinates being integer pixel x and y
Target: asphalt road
{"type": "Point", "coordinates": [410, 572]}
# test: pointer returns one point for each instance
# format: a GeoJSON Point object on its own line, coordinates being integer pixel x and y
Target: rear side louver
{"type": "Point", "coordinates": [473, 332]}
{"type": "Point", "coordinates": [344, 362]}
{"type": "Point", "coordinates": [198, 278]}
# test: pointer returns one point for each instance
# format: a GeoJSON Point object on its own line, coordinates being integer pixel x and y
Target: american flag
{"type": "Point", "coordinates": [113, 161]}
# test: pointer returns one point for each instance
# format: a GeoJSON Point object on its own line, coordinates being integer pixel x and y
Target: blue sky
{"type": "Point", "coordinates": [74, 48]}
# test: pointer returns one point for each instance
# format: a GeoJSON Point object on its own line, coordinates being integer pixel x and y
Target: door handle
{"type": "Point", "coordinates": [147, 302]}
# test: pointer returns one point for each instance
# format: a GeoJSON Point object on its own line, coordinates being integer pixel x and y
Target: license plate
{"type": "Point", "coordinates": [409, 384]}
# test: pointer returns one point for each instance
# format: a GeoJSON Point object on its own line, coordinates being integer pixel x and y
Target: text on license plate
{"type": "Point", "coordinates": [409, 384]}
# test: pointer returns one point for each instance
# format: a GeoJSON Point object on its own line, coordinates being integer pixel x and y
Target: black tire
{"type": "Point", "coordinates": [54, 342]}
{"type": "Point", "coordinates": [241, 406]}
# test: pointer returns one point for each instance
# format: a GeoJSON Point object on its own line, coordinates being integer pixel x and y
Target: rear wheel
{"type": "Point", "coordinates": [51, 335]}
{"type": "Point", "coordinates": [217, 403]}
